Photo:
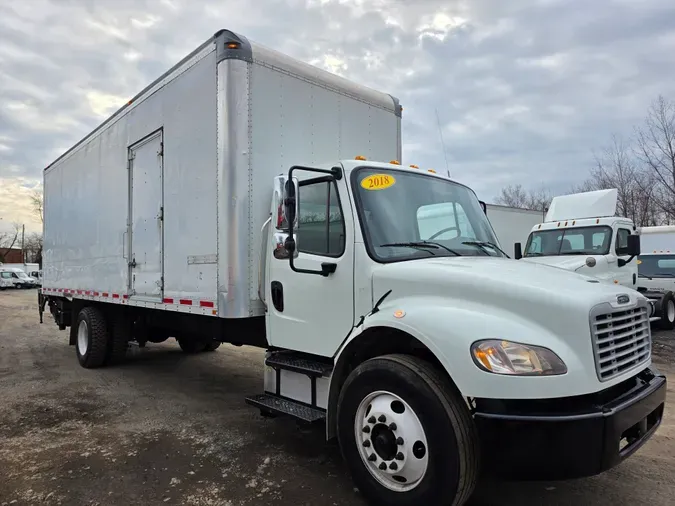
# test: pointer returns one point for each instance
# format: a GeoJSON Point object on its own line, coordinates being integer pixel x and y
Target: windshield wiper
{"type": "Point", "coordinates": [483, 244]}
{"type": "Point", "coordinates": [415, 245]}
{"type": "Point", "coordinates": [422, 245]}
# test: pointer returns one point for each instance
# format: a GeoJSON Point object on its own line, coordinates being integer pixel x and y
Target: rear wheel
{"type": "Point", "coordinates": [191, 345]}
{"type": "Point", "coordinates": [406, 434]}
{"type": "Point", "coordinates": [212, 346]}
{"type": "Point", "coordinates": [91, 337]}
{"type": "Point", "coordinates": [119, 339]}
{"type": "Point", "coordinates": [668, 311]}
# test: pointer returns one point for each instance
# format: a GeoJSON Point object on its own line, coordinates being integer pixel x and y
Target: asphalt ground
{"type": "Point", "coordinates": [170, 428]}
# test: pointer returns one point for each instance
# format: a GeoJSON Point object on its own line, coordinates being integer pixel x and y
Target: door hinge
{"type": "Point", "coordinates": [160, 216]}
{"type": "Point", "coordinates": [161, 149]}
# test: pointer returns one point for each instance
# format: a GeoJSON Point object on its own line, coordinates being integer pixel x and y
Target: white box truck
{"type": "Point", "coordinates": [582, 234]}
{"type": "Point", "coordinates": [656, 270]}
{"type": "Point", "coordinates": [235, 200]}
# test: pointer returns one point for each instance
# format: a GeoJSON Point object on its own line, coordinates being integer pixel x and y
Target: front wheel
{"type": "Point", "coordinates": [406, 434]}
{"type": "Point", "coordinates": [668, 311]}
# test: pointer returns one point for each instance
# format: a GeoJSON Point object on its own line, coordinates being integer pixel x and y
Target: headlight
{"type": "Point", "coordinates": [505, 357]}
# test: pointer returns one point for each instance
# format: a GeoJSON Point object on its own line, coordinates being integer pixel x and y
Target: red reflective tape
{"type": "Point", "coordinates": [187, 302]}
{"type": "Point", "coordinates": [87, 292]}
{"type": "Point", "coordinates": [79, 292]}
{"type": "Point", "coordinates": [105, 294]}
{"type": "Point", "coordinates": [115, 295]}
{"type": "Point", "coordinates": [125, 296]}
{"type": "Point", "coordinates": [95, 294]}
{"type": "Point", "coordinates": [206, 303]}
{"type": "Point", "coordinates": [167, 301]}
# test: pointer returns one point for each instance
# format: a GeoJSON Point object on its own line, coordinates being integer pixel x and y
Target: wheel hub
{"type": "Point", "coordinates": [384, 442]}
{"type": "Point", "coordinates": [392, 441]}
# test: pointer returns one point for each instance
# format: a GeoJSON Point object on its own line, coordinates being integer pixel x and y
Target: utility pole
{"type": "Point", "coordinates": [23, 237]}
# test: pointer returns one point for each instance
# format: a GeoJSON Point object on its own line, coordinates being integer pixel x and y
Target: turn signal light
{"type": "Point", "coordinates": [359, 157]}
{"type": "Point", "coordinates": [395, 162]}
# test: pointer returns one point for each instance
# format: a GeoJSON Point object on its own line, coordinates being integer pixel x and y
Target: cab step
{"type": "Point", "coordinates": [297, 362]}
{"type": "Point", "coordinates": [277, 405]}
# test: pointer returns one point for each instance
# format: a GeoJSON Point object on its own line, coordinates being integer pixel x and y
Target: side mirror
{"type": "Point", "coordinates": [280, 210]}
{"type": "Point", "coordinates": [633, 245]}
{"type": "Point", "coordinates": [632, 249]}
{"type": "Point", "coordinates": [517, 251]}
{"type": "Point", "coordinates": [483, 206]}
{"type": "Point", "coordinates": [290, 201]}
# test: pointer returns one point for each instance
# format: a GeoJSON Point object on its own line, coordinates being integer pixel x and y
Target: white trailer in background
{"type": "Point", "coordinates": [511, 224]}
{"type": "Point", "coordinates": [656, 266]}
{"type": "Point", "coordinates": [233, 200]}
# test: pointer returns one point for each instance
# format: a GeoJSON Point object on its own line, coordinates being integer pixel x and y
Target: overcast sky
{"type": "Point", "coordinates": [524, 89]}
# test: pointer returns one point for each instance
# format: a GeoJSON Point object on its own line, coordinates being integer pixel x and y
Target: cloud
{"type": "Point", "coordinates": [524, 89]}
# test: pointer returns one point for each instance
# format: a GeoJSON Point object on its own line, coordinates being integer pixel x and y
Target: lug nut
{"type": "Point", "coordinates": [399, 441]}
{"type": "Point", "coordinates": [392, 426]}
{"type": "Point", "coordinates": [366, 443]}
{"type": "Point", "coordinates": [382, 418]}
{"type": "Point", "coordinates": [371, 419]}
{"type": "Point", "coordinates": [366, 429]}
{"type": "Point", "coordinates": [372, 457]}
{"type": "Point", "coordinates": [399, 456]}
{"type": "Point", "coordinates": [383, 466]}
{"type": "Point", "coordinates": [393, 466]}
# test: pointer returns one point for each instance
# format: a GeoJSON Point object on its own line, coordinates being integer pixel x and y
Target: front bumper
{"type": "Point", "coordinates": [571, 437]}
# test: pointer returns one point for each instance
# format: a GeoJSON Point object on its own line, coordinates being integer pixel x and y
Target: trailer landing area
{"type": "Point", "coordinates": [176, 430]}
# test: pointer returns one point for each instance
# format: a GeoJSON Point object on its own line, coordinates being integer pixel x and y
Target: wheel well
{"type": "Point", "coordinates": [374, 342]}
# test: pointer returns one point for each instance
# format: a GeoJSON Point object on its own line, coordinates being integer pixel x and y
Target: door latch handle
{"type": "Point", "coordinates": [132, 264]}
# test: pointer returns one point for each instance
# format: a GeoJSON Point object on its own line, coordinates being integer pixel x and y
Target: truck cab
{"type": "Point", "coordinates": [373, 302]}
{"type": "Point", "coordinates": [580, 233]}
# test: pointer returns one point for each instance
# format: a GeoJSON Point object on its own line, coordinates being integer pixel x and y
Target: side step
{"type": "Point", "coordinates": [278, 405]}
{"type": "Point", "coordinates": [296, 362]}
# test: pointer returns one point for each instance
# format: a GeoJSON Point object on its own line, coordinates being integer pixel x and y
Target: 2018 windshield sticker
{"type": "Point", "coordinates": [378, 182]}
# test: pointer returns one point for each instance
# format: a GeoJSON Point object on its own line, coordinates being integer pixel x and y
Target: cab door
{"type": "Point", "coordinates": [626, 275]}
{"type": "Point", "coordinates": [308, 310]}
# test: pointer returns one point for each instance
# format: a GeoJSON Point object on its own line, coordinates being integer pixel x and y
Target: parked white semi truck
{"type": "Point", "coordinates": [225, 203]}
{"type": "Point", "coordinates": [582, 234]}
{"type": "Point", "coordinates": [656, 268]}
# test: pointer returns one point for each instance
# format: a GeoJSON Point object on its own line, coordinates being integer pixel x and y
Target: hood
{"type": "Point", "coordinates": [514, 285]}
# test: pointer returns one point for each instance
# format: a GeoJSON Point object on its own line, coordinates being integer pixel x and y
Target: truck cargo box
{"type": "Point", "coordinates": [162, 205]}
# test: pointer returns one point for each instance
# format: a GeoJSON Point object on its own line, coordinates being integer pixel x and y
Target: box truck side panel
{"type": "Point", "coordinates": [171, 202]}
{"type": "Point", "coordinates": [310, 119]}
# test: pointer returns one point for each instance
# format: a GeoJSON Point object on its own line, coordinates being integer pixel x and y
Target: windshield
{"type": "Point", "coordinates": [405, 215]}
{"type": "Point", "coordinates": [656, 266]}
{"type": "Point", "coordinates": [569, 241]}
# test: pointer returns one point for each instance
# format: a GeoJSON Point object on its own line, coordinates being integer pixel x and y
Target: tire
{"type": "Point", "coordinates": [119, 340]}
{"type": "Point", "coordinates": [422, 398]}
{"type": "Point", "coordinates": [212, 346]}
{"type": "Point", "coordinates": [92, 338]}
{"type": "Point", "coordinates": [191, 345]}
{"type": "Point", "coordinates": [668, 311]}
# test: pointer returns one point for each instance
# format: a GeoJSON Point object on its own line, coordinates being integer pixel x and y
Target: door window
{"type": "Point", "coordinates": [622, 241]}
{"type": "Point", "coordinates": [321, 228]}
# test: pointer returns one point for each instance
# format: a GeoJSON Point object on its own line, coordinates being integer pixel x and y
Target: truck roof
{"type": "Point", "coordinates": [230, 45]}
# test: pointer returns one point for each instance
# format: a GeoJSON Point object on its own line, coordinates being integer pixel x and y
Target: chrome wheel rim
{"type": "Point", "coordinates": [671, 311]}
{"type": "Point", "coordinates": [391, 441]}
{"type": "Point", "coordinates": [82, 338]}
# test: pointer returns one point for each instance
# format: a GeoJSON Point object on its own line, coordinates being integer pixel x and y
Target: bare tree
{"type": "Point", "coordinates": [33, 248]}
{"type": "Point", "coordinates": [37, 201]}
{"type": "Point", "coordinates": [517, 196]}
{"type": "Point", "coordinates": [617, 167]}
{"type": "Point", "coordinates": [8, 240]}
{"type": "Point", "coordinates": [655, 148]}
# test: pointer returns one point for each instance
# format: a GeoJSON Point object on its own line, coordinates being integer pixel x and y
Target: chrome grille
{"type": "Point", "coordinates": [621, 341]}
